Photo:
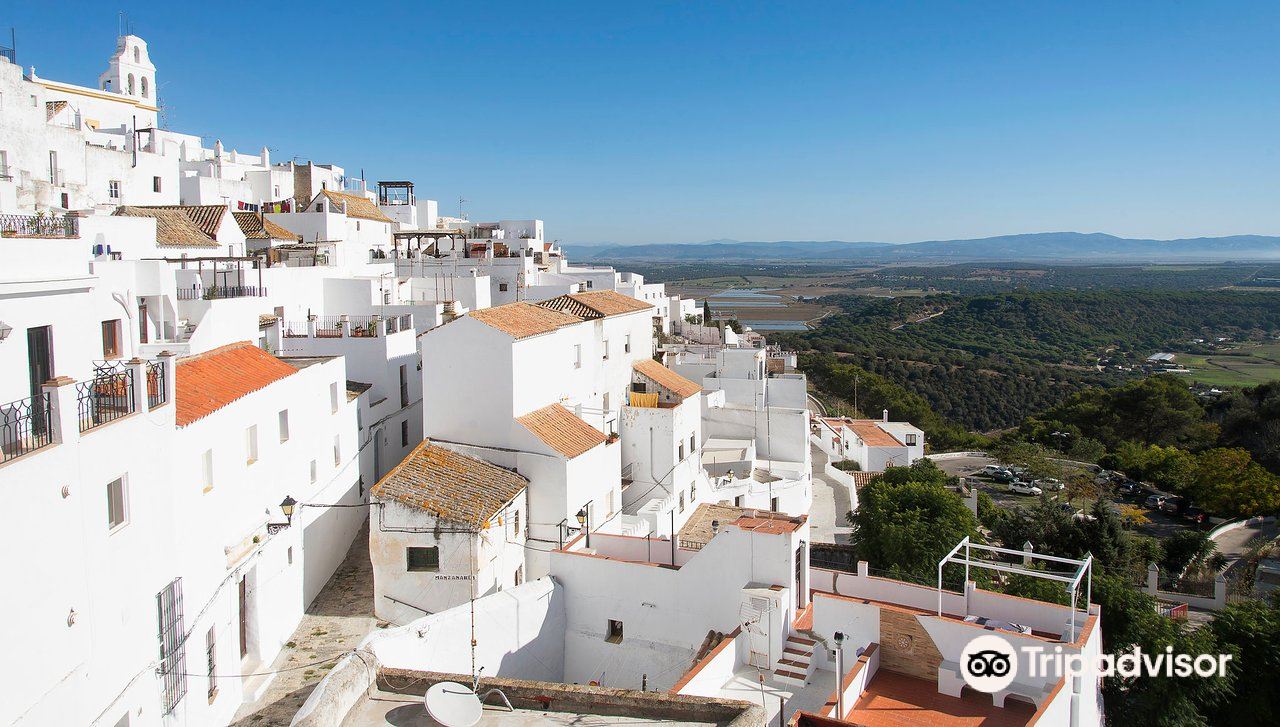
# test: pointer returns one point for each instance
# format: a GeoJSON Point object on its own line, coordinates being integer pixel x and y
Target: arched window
{"type": "Point", "coordinates": [130, 86]}
{"type": "Point", "coordinates": [136, 54]}
{"type": "Point", "coordinates": [144, 86]}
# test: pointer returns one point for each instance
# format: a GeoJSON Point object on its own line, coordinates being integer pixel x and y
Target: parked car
{"type": "Point", "coordinates": [1172, 505]}
{"type": "Point", "coordinates": [1050, 484]}
{"type": "Point", "coordinates": [1155, 502]}
{"type": "Point", "coordinates": [1130, 488]}
{"type": "Point", "coordinates": [992, 469]}
{"type": "Point", "coordinates": [1004, 477]}
{"type": "Point", "coordinates": [1024, 488]}
{"type": "Point", "coordinates": [1196, 515]}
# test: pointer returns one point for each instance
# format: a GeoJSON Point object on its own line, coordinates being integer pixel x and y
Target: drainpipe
{"type": "Point", "coordinates": [839, 639]}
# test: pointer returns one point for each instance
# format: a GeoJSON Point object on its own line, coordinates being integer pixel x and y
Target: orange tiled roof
{"type": "Point", "coordinates": [666, 378]}
{"type": "Point", "coordinates": [209, 381]}
{"type": "Point", "coordinates": [207, 217]}
{"type": "Point", "coordinates": [260, 228]}
{"type": "Point", "coordinates": [173, 228]}
{"type": "Point", "coordinates": [358, 205]}
{"type": "Point", "coordinates": [596, 304]}
{"type": "Point", "coordinates": [560, 430]}
{"type": "Point", "coordinates": [873, 435]}
{"type": "Point", "coordinates": [521, 320]}
{"type": "Point", "coordinates": [450, 485]}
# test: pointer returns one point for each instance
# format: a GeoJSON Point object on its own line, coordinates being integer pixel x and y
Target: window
{"type": "Point", "coordinates": [422, 559]}
{"type": "Point", "coordinates": [515, 523]}
{"type": "Point", "coordinates": [337, 450]}
{"type": "Point", "coordinates": [404, 433]}
{"type": "Point", "coordinates": [313, 471]}
{"type": "Point", "coordinates": [502, 287]}
{"type": "Point", "coordinates": [680, 452]}
{"type": "Point", "coordinates": [614, 634]}
{"type": "Point", "coordinates": [155, 184]}
{"type": "Point", "coordinates": [251, 444]}
{"type": "Point", "coordinates": [208, 469]}
{"type": "Point", "coordinates": [283, 419]}
{"type": "Point", "coordinates": [608, 502]}
{"type": "Point", "coordinates": [115, 504]}
{"type": "Point", "coordinates": [773, 504]}
{"type": "Point", "coordinates": [681, 501]}
{"type": "Point", "coordinates": [589, 285]}
{"type": "Point", "coordinates": [911, 440]}
{"type": "Point", "coordinates": [289, 554]}
{"type": "Point", "coordinates": [111, 339]}
{"type": "Point", "coordinates": [333, 397]}
{"type": "Point", "coordinates": [693, 491]}
{"type": "Point", "coordinates": [519, 576]}
{"type": "Point", "coordinates": [577, 355]}
{"type": "Point", "coordinates": [404, 387]}
{"type": "Point", "coordinates": [137, 57]}
{"type": "Point", "coordinates": [173, 657]}
{"type": "Point", "coordinates": [606, 349]}
{"type": "Point", "coordinates": [131, 85]}
{"type": "Point", "coordinates": [144, 86]}
{"type": "Point", "coordinates": [113, 189]}
{"type": "Point", "coordinates": [639, 387]}
{"type": "Point", "coordinates": [737, 501]}
{"type": "Point", "coordinates": [693, 443]}
{"type": "Point", "coordinates": [626, 344]}
{"type": "Point", "coordinates": [606, 401]}
{"type": "Point", "coordinates": [211, 660]}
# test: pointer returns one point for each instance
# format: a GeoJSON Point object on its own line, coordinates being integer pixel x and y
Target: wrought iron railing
{"type": "Point", "coordinates": [106, 397]}
{"type": "Point", "coordinates": [157, 392]}
{"type": "Point", "coordinates": [295, 329]}
{"type": "Point", "coordinates": [41, 225]}
{"type": "Point", "coordinates": [363, 326]}
{"type": "Point", "coordinates": [25, 426]}
{"type": "Point", "coordinates": [221, 292]}
{"type": "Point", "coordinates": [328, 327]}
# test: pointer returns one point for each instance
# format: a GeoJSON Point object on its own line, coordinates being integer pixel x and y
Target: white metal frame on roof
{"type": "Point", "coordinates": [1083, 571]}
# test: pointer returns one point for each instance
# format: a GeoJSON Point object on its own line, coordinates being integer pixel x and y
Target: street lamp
{"type": "Point", "coordinates": [286, 507]}
{"type": "Point", "coordinates": [582, 522]}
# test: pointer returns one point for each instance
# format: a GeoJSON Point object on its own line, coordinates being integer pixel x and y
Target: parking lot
{"type": "Point", "coordinates": [1162, 524]}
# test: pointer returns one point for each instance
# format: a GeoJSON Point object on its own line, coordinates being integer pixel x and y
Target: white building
{"type": "Point", "coordinates": [447, 528]}
{"type": "Point", "coordinates": [873, 444]}
{"type": "Point", "coordinates": [731, 609]}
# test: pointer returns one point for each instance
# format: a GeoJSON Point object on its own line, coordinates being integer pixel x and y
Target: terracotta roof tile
{"type": "Point", "coordinates": [521, 320]}
{"type": "Point", "coordinates": [451, 486]}
{"type": "Point", "coordinates": [560, 430]}
{"type": "Point", "coordinates": [255, 227]}
{"type": "Point", "coordinates": [666, 378]}
{"type": "Point", "coordinates": [873, 435]}
{"type": "Point", "coordinates": [358, 205]}
{"type": "Point", "coordinates": [596, 304]}
{"type": "Point", "coordinates": [173, 229]}
{"type": "Point", "coordinates": [207, 217]}
{"type": "Point", "coordinates": [209, 381]}
{"type": "Point", "coordinates": [773, 523]}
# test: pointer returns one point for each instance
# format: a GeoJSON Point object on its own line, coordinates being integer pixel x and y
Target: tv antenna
{"type": "Point", "coordinates": [461, 214]}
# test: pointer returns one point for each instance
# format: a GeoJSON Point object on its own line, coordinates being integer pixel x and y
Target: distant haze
{"type": "Point", "coordinates": [1037, 247]}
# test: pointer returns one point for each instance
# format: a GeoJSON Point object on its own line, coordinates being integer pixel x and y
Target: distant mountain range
{"type": "Point", "coordinates": [1037, 247]}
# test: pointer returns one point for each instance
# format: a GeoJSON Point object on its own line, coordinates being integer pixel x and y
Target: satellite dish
{"type": "Point", "coordinates": [453, 705]}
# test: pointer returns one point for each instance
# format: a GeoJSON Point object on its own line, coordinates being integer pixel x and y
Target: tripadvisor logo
{"type": "Point", "coordinates": [989, 663]}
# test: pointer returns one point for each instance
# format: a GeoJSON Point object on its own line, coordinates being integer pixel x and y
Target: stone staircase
{"type": "Point", "coordinates": [796, 663]}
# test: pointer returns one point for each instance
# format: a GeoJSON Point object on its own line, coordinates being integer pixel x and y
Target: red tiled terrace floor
{"type": "Point", "coordinates": [893, 699]}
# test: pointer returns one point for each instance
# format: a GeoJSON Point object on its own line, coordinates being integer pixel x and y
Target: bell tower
{"type": "Point", "coordinates": [130, 72]}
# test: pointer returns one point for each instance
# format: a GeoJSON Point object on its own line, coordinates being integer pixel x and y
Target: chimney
{"type": "Point", "coordinates": [266, 157]}
{"type": "Point", "coordinates": [886, 415]}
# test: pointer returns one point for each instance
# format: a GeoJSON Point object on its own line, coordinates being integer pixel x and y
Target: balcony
{"type": "Point", "coordinates": [222, 292]}
{"type": "Point", "coordinates": [347, 326]}
{"type": "Point", "coordinates": [25, 426]}
{"type": "Point", "coordinates": [41, 225]}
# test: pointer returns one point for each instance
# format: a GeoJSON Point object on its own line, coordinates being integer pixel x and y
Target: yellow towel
{"type": "Point", "coordinates": [644, 400]}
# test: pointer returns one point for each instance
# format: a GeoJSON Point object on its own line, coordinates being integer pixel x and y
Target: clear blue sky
{"type": "Point", "coordinates": [677, 122]}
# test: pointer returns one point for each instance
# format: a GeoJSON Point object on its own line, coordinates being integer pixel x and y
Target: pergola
{"type": "Point", "coordinates": [1083, 570]}
{"type": "Point", "coordinates": [414, 238]}
{"type": "Point", "coordinates": [214, 260]}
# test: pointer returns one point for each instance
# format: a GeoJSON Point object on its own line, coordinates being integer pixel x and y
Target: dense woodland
{"type": "Point", "coordinates": [988, 362]}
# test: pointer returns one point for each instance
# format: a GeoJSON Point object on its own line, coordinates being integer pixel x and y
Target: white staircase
{"type": "Point", "coordinates": [796, 663]}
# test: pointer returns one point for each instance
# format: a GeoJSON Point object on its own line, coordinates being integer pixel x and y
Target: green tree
{"type": "Point", "coordinates": [907, 520]}
{"type": "Point", "coordinates": [1250, 631]}
{"type": "Point", "coordinates": [1229, 483]}
{"type": "Point", "coordinates": [706, 312]}
{"type": "Point", "coordinates": [1184, 549]}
